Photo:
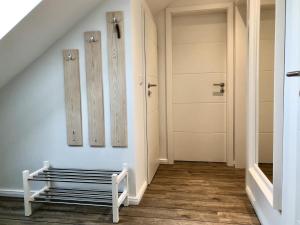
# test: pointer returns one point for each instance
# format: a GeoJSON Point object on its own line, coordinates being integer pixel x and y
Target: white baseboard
{"type": "Point", "coordinates": [16, 193]}
{"type": "Point", "coordinates": [135, 200]}
{"type": "Point", "coordinates": [261, 217]}
{"type": "Point", "coordinates": [250, 195]}
{"type": "Point", "coordinates": [163, 161]}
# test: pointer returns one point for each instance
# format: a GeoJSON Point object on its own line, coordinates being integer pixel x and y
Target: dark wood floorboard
{"type": "Point", "coordinates": [267, 169]}
{"type": "Point", "coordinates": [185, 193]}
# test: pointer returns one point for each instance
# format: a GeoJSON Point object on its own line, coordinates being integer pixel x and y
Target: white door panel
{"type": "Point", "coordinates": [151, 68]}
{"type": "Point", "coordinates": [152, 59]}
{"type": "Point", "coordinates": [199, 62]}
{"type": "Point", "coordinates": [292, 114]}
{"type": "Point", "coordinates": [197, 87]}
{"type": "Point", "coordinates": [152, 100]}
{"type": "Point", "coordinates": [208, 28]}
{"type": "Point", "coordinates": [187, 58]}
{"type": "Point", "coordinates": [208, 147]}
{"type": "Point", "coordinates": [153, 144]}
{"type": "Point", "coordinates": [200, 117]}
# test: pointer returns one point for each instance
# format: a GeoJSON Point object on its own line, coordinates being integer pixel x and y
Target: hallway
{"type": "Point", "coordinates": [185, 193]}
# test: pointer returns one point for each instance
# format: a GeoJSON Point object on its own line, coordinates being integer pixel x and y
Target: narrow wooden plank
{"type": "Point", "coordinates": [93, 61]}
{"type": "Point", "coordinates": [72, 97]}
{"type": "Point", "coordinates": [197, 205]}
{"type": "Point", "coordinates": [194, 215]}
{"type": "Point", "coordinates": [117, 79]}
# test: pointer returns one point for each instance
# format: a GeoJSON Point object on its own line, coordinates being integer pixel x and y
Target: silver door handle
{"type": "Point", "coordinates": [220, 84]}
{"type": "Point", "coordinates": [152, 85]}
{"type": "Point", "coordinates": [293, 74]}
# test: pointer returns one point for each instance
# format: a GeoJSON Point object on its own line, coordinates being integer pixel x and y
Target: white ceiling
{"type": "Point", "coordinates": [44, 25]}
{"type": "Point", "coordinates": [157, 5]}
{"type": "Point", "coordinates": [10, 15]}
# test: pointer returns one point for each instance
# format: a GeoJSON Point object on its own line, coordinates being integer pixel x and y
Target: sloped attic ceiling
{"type": "Point", "coordinates": [10, 15]}
{"type": "Point", "coordinates": [157, 5]}
{"type": "Point", "coordinates": [31, 37]}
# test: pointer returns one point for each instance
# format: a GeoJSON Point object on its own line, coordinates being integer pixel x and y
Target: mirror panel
{"type": "Point", "coordinates": [265, 90]}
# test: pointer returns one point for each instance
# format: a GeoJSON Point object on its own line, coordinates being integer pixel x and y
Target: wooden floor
{"type": "Point", "coordinates": [267, 169]}
{"type": "Point", "coordinates": [181, 194]}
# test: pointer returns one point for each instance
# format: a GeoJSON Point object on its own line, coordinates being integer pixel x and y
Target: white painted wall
{"type": "Point", "coordinates": [240, 79]}
{"type": "Point", "coordinates": [32, 115]}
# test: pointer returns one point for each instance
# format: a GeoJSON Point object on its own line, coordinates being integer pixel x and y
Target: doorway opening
{"type": "Point", "coordinates": [200, 83]}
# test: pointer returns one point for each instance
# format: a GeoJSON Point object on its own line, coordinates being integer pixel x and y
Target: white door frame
{"type": "Point", "coordinates": [272, 192]}
{"type": "Point", "coordinates": [143, 12]}
{"type": "Point", "coordinates": [228, 8]}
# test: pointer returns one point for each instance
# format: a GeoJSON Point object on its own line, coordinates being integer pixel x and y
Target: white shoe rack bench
{"type": "Point", "coordinates": [113, 198]}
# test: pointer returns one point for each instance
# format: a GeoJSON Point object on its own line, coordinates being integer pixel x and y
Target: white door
{"type": "Point", "coordinates": [151, 71]}
{"type": "Point", "coordinates": [292, 111]}
{"type": "Point", "coordinates": [199, 74]}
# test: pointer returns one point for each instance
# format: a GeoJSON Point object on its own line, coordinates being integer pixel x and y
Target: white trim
{"type": "Point", "coordinates": [169, 86]}
{"type": "Point", "coordinates": [278, 123]}
{"type": "Point", "coordinates": [272, 192]}
{"type": "Point", "coordinates": [143, 83]}
{"type": "Point", "coordinates": [259, 212]}
{"type": "Point", "coordinates": [135, 200]}
{"type": "Point", "coordinates": [14, 193]}
{"type": "Point", "coordinates": [230, 86]}
{"type": "Point", "coordinates": [229, 8]}
{"type": "Point", "coordinates": [263, 183]}
{"type": "Point", "coordinates": [255, 172]}
{"type": "Point", "coordinates": [250, 195]}
{"type": "Point", "coordinates": [163, 161]}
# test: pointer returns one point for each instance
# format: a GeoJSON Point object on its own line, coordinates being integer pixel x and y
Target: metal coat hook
{"type": "Point", "coordinates": [70, 57]}
{"type": "Point", "coordinates": [92, 39]}
{"type": "Point", "coordinates": [117, 27]}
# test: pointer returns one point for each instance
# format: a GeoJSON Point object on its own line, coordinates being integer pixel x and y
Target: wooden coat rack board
{"type": "Point", "coordinates": [94, 88]}
{"type": "Point", "coordinates": [72, 97]}
{"type": "Point", "coordinates": [117, 78]}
